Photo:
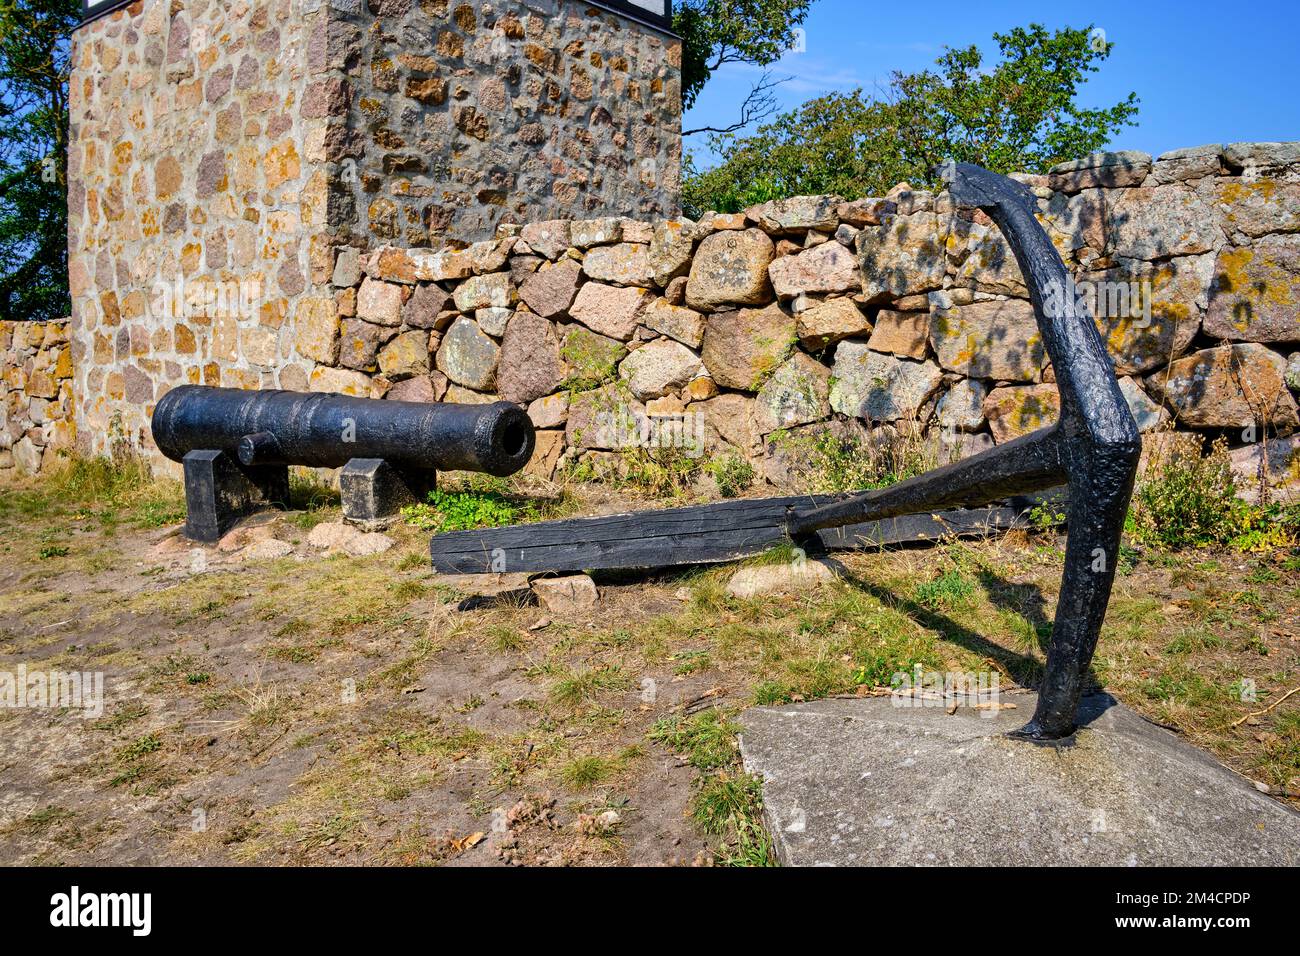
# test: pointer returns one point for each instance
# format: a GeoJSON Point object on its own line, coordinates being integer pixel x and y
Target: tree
{"type": "Point", "coordinates": [717, 32]}
{"type": "Point", "coordinates": [34, 51]}
{"type": "Point", "coordinates": [1020, 115]}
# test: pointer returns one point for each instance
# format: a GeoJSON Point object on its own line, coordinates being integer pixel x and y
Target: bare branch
{"type": "Point", "coordinates": [758, 106]}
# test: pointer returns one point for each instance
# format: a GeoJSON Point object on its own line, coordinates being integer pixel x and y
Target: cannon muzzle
{"type": "Point", "coordinates": [323, 430]}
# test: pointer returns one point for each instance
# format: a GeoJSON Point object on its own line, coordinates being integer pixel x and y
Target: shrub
{"type": "Point", "coordinates": [835, 463]}
{"type": "Point", "coordinates": [732, 473]}
{"type": "Point", "coordinates": [659, 472]}
{"type": "Point", "coordinates": [1187, 498]}
{"type": "Point", "coordinates": [463, 510]}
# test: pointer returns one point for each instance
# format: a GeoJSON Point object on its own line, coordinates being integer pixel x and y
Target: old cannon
{"type": "Point", "coordinates": [1094, 447]}
{"type": "Point", "coordinates": [236, 446]}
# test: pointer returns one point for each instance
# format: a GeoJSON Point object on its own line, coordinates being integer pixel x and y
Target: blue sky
{"type": "Point", "coordinates": [1205, 72]}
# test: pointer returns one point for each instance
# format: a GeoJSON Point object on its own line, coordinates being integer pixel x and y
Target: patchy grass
{"type": "Point", "coordinates": [707, 740]}
{"type": "Point", "coordinates": [379, 724]}
{"type": "Point", "coordinates": [582, 773]}
{"type": "Point", "coordinates": [730, 805]}
{"type": "Point", "coordinates": [727, 803]}
{"type": "Point", "coordinates": [311, 499]}
{"type": "Point", "coordinates": [90, 492]}
{"type": "Point", "coordinates": [947, 590]}
{"type": "Point", "coordinates": [583, 686]}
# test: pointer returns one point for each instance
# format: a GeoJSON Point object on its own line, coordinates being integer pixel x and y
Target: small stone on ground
{"type": "Point", "coordinates": [367, 544]}
{"type": "Point", "coordinates": [780, 578]}
{"type": "Point", "coordinates": [341, 536]}
{"type": "Point", "coordinates": [331, 535]}
{"type": "Point", "coordinates": [572, 592]}
{"type": "Point", "coordinates": [267, 549]}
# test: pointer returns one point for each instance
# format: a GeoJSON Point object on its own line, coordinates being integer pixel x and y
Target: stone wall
{"type": "Point", "coordinates": [36, 401]}
{"type": "Point", "coordinates": [856, 320]}
{"type": "Point", "coordinates": [225, 158]}
{"type": "Point", "coordinates": [462, 116]}
{"type": "Point", "coordinates": [196, 203]}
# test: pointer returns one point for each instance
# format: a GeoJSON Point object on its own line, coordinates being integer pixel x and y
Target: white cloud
{"type": "Point", "coordinates": [805, 75]}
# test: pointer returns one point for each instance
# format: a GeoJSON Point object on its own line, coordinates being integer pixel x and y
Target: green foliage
{"type": "Point", "coordinates": [463, 510]}
{"type": "Point", "coordinates": [732, 473]}
{"type": "Point", "coordinates": [876, 668]}
{"type": "Point", "coordinates": [707, 739]}
{"type": "Point", "coordinates": [34, 67]}
{"type": "Point", "coordinates": [1045, 516]}
{"type": "Point", "coordinates": [839, 465]}
{"type": "Point", "coordinates": [948, 590]}
{"type": "Point", "coordinates": [1018, 114]}
{"type": "Point", "coordinates": [663, 472]}
{"type": "Point", "coordinates": [717, 32]}
{"type": "Point", "coordinates": [770, 692]}
{"type": "Point", "coordinates": [1188, 499]}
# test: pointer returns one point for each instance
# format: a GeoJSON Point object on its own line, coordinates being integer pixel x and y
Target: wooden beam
{"type": "Point", "coordinates": [700, 534]}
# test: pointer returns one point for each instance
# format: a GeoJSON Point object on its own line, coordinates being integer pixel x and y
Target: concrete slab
{"type": "Point", "coordinates": [864, 782]}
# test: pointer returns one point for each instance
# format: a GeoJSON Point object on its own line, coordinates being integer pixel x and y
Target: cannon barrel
{"type": "Point", "coordinates": [325, 430]}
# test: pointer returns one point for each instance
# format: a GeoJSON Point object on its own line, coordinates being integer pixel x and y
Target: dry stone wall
{"type": "Point", "coordinates": [197, 203]}
{"type": "Point", "coordinates": [464, 115]}
{"type": "Point", "coordinates": [854, 321]}
{"type": "Point", "coordinates": [859, 320]}
{"type": "Point", "coordinates": [36, 399]}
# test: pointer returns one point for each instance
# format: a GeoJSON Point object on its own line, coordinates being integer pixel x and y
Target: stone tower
{"type": "Point", "coordinates": [223, 153]}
